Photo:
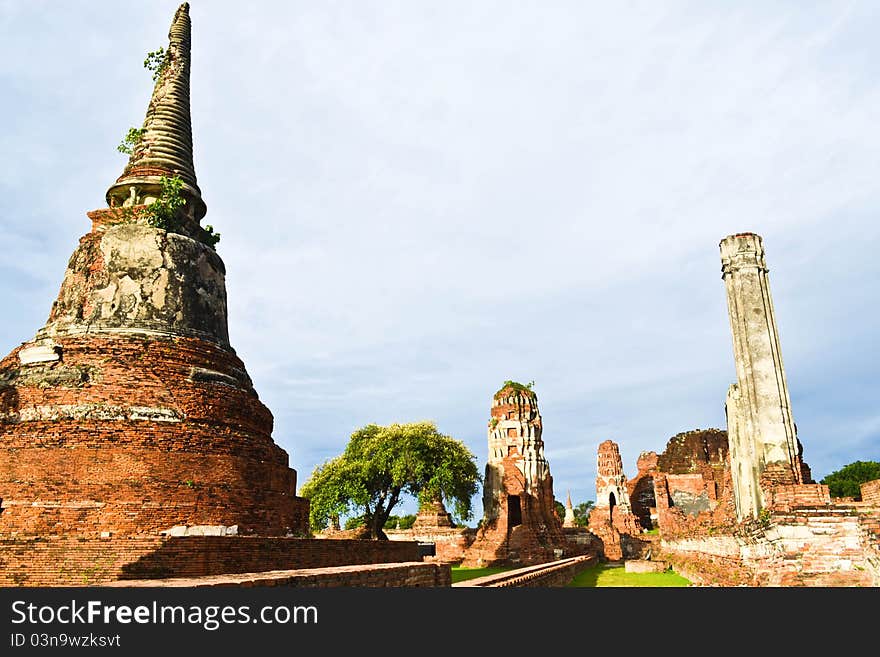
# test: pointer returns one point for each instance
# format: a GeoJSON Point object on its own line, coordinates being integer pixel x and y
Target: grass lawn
{"type": "Point", "coordinates": [616, 575]}
{"type": "Point", "coordinates": [461, 574]}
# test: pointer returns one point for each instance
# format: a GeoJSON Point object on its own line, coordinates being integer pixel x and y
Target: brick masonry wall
{"type": "Point", "coordinates": [450, 543]}
{"type": "Point", "coordinates": [789, 496]}
{"type": "Point", "coordinates": [373, 576]}
{"type": "Point", "coordinates": [871, 492]}
{"type": "Point", "coordinates": [133, 435]}
{"type": "Point", "coordinates": [72, 561]}
{"type": "Point", "coordinates": [641, 490]}
{"type": "Point", "coordinates": [819, 546]}
{"type": "Point", "coordinates": [543, 575]}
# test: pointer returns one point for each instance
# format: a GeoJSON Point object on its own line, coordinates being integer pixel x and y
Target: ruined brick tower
{"type": "Point", "coordinates": [613, 506]}
{"type": "Point", "coordinates": [520, 524]}
{"type": "Point", "coordinates": [764, 449]}
{"type": "Point", "coordinates": [129, 413]}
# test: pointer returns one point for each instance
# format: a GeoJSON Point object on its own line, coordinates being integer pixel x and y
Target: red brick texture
{"type": "Point", "coordinates": [785, 497]}
{"type": "Point", "coordinates": [871, 492]}
{"type": "Point", "coordinates": [450, 543]}
{"type": "Point", "coordinates": [823, 546]}
{"type": "Point", "coordinates": [612, 519]}
{"type": "Point", "coordinates": [553, 574]}
{"type": "Point", "coordinates": [133, 435]}
{"type": "Point", "coordinates": [75, 561]}
{"type": "Point", "coordinates": [407, 574]}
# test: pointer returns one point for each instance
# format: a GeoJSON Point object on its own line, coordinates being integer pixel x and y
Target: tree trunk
{"type": "Point", "coordinates": [377, 520]}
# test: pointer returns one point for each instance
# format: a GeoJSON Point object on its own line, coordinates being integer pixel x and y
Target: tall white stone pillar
{"type": "Point", "coordinates": [760, 426]}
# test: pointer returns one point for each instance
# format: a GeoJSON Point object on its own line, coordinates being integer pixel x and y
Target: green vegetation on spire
{"type": "Point", "coordinates": [525, 388]}
{"type": "Point", "coordinates": [164, 213]}
{"type": "Point", "coordinates": [156, 62]}
{"type": "Point", "coordinates": [131, 139]}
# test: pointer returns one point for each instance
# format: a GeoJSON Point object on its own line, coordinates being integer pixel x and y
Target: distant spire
{"type": "Point", "coordinates": [165, 147]}
{"type": "Point", "coordinates": [569, 520]}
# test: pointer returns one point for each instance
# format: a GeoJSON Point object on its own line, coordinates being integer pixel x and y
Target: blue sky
{"type": "Point", "coordinates": [420, 200]}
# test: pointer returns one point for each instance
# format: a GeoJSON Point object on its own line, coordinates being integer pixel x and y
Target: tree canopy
{"type": "Point", "coordinates": [383, 464]}
{"type": "Point", "coordinates": [847, 481]}
{"type": "Point", "coordinates": [582, 513]}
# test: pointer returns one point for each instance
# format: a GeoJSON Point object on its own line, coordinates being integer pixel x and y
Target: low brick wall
{"type": "Point", "coordinates": [825, 545]}
{"type": "Point", "coordinates": [410, 574]}
{"type": "Point", "coordinates": [790, 496]}
{"type": "Point", "coordinates": [449, 543]}
{"type": "Point", "coordinates": [553, 574]}
{"type": "Point", "coordinates": [72, 561]}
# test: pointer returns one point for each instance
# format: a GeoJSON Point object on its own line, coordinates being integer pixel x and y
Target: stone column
{"type": "Point", "coordinates": [761, 431]}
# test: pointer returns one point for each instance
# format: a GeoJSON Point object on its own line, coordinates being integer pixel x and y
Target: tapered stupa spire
{"type": "Point", "coordinates": [569, 520]}
{"type": "Point", "coordinates": [165, 147]}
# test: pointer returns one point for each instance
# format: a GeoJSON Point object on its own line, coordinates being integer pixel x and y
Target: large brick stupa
{"type": "Point", "coordinates": [129, 413]}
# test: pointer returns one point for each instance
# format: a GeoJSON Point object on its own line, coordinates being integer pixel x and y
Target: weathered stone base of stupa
{"type": "Point", "coordinates": [128, 435]}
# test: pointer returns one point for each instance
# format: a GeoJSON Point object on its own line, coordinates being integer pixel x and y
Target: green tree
{"type": "Point", "coordinates": [560, 509]}
{"type": "Point", "coordinates": [383, 464]}
{"type": "Point", "coordinates": [582, 513]}
{"type": "Point", "coordinates": [847, 481]}
{"type": "Point", "coordinates": [354, 522]}
{"type": "Point", "coordinates": [400, 522]}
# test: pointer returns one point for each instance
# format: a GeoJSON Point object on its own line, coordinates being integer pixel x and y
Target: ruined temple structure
{"type": "Point", "coordinates": [129, 413]}
{"type": "Point", "coordinates": [740, 508]}
{"type": "Point", "coordinates": [434, 525]}
{"type": "Point", "coordinates": [433, 515]}
{"type": "Point", "coordinates": [691, 482]}
{"type": "Point", "coordinates": [612, 516]}
{"type": "Point", "coordinates": [641, 490]}
{"type": "Point", "coordinates": [764, 448]}
{"type": "Point", "coordinates": [520, 524]}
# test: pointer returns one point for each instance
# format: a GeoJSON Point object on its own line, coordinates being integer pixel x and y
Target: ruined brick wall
{"type": "Point", "coordinates": [450, 544]}
{"type": "Point", "coordinates": [809, 546]}
{"type": "Point", "coordinates": [699, 451]}
{"type": "Point", "coordinates": [372, 576]}
{"type": "Point", "coordinates": [641, 490]}
{"type": "Point", "coordinates": [581, 541]}
{"type": "Point", "coordinates": [697, 515]}
{"type": "Point", "coordinates": [133, 435]}
{"type": "Point", "coordinates": [74, 561]}
{"type": "Point", "coordinates": [693, 485]}
{"type": "Point", "coordinates": [785, 497]}
{"type": "Point", "coordinates": [871, 492]}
